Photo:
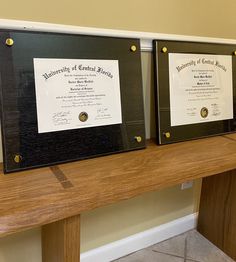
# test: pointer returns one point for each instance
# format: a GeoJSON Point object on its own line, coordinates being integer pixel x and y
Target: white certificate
{"type": "Point", "coordinates": [76, 93]}
{"type": "Point", "coordinates": [201, 88]}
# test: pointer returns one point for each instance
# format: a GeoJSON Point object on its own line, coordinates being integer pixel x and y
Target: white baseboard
{"type": "Point", "coordinates": [141, 240]}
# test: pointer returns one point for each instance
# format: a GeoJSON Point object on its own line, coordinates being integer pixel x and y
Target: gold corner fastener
{"type": "Point", "coordinates": [17, 158]}
{"type": "Point", "coordinates": [9, 42]}
{"type": "Point", "coordinates": [133, 48]}
{"type": "Point", "coordinates": [164, 49]}
{"type": "Point", "coordinates": [138, 139]}
{"type": "Point", "coordinates": [167, 134]}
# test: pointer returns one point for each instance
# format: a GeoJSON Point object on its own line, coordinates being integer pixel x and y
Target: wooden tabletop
{"type": "Point", "coordinates": [41, 196]}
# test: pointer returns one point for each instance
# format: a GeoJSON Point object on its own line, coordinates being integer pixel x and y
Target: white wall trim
{"type": "Point", "coordinates": [145, 37]}
{"type": "Point", "coordinates": [141, 240]}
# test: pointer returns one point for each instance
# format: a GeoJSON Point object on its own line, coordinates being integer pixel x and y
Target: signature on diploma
{"type": "Point", "coordinates": [102, 110]}
{"type": "Point", "coordinates": [61, 118]}
{"type": "Point", "coordinates": [103, 113]}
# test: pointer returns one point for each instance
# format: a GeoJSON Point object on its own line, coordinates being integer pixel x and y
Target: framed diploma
{"type": "Point", "coordinates": [195, 90]}
{"type": "Point", "coordinates": [67, 97]}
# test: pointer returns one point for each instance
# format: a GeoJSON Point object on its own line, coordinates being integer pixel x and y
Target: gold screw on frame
{"type": "Point", "coordinates": [164, 49]}
{"type": "Point", "coordinates": [167, 134]}
{"type": "Point", "coordinates": [9, 42]}
{"type": "Point", "coordinates": [133, 48]}
{"type": "Point", "coordinates": [17, 158]}
{"type": "Point", "coordinates": [234, 52]}
{"type": "Point", "coordinates": [138, 139]}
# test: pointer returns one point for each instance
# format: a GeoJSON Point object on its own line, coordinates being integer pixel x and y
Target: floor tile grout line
{"type": "Point", "coordinates": [190, 259]}
{"type": "Point", "coordinates": [164, 253]}
{"type": "Point", "coordinates": [130, 254]}
{"type": "Point", "coordinates": [184, 256]}
{"type": "Point", "coordinates": [185, 249]}
{"type": "Point", "coordinates": [172, 255]}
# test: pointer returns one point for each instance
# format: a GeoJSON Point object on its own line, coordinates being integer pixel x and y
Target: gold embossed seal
{"type": "Point", "coordinates": [83, 116]}
{"type": "Point", "coordinates": [204, 112]}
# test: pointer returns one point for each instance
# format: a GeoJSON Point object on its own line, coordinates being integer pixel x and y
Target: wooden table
{"type": "Point", "coordinates": [54, 197]}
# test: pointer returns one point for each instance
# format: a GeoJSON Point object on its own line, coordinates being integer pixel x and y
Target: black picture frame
{"type": "Point", "coordinates": [23, 146]}
{"type": "Point", "coordinates": [165, 132]}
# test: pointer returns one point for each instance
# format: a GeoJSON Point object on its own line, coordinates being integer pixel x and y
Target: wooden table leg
{"type": "Point", "coordinates": [217, 214]}
{"type": "Point", "coordinates": [61, 240]}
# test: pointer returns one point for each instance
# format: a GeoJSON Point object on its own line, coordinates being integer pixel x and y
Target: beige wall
{"type": "Point", "coordinates": [205, 18]}
{"type": "Point", "coordinates": [115, 222]}
{"type": "Point", "coordinates": [21, 247]}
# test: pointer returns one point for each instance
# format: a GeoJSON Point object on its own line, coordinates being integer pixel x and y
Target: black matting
{"type": "Point", "coordinates": [162, 92]}
{"type": "Point", "coordinates": [23, 146]}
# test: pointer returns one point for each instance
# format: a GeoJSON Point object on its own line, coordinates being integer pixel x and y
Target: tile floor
{"type": "Point", "coordinates": [188, 247]}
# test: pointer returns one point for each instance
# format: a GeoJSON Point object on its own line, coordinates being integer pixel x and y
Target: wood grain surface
{"type": "Point", "coordinates": [41, 196]}
{"type": "Point", "coordinates": [61, 240]}
{"type": "Point", "coordinates": [217, 214]}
